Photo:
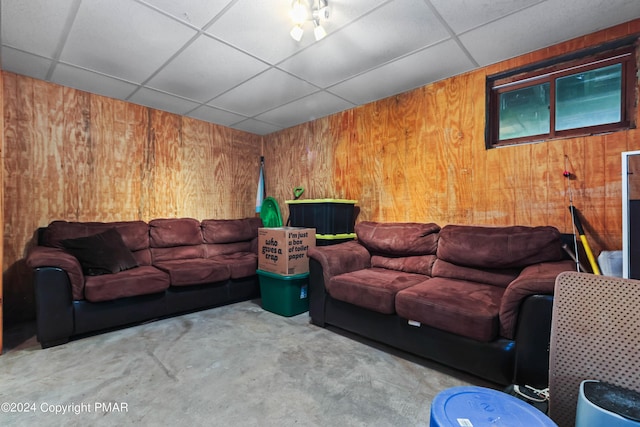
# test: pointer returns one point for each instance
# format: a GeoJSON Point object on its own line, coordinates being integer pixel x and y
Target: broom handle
{"type": "Point", "coordinates": [583, 239]}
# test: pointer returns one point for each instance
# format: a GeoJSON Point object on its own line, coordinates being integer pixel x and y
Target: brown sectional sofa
{"type": "Point", "coordinates": [88, 278]}
{"type": "Point", "coordinates": [478, 299]}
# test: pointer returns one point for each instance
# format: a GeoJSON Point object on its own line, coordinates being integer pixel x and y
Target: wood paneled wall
{"type": "Point", "coordinates": [420, 156]}
{"type": "Point", "coordinates": [80, 157]}
{"type": "Point", "coordinates": [417, 156]}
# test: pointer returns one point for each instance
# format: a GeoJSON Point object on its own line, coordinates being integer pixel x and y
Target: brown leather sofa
{"type": "Point", "coordinates": [93, 276]}
{"type": "Point", "coordinates": [478, 299]}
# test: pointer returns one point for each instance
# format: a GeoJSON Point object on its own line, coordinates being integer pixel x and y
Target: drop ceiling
{"type": "Point", "coordinates": [232, 62]}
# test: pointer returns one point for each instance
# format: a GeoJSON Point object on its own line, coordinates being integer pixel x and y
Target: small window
{"type": "Point", "coordinates": [593, 93]}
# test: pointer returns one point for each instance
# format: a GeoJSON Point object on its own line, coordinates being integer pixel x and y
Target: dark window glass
{"type": "Point", "coordinates": [585, 95]}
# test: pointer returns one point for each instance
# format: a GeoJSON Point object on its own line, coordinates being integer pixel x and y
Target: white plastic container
{"type": "Point", "coordinates": [610, 263]}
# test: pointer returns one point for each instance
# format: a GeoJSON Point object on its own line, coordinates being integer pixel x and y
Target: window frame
{"type": "Point", "coordinates": [623, 52]}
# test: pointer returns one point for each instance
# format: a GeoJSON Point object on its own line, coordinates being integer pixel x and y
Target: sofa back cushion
{"type": "Point", "coordinates": [398, 239]}
{"type": "Point", "coordinates": [497, 277]}
{"type": "Point", "coordinates": [135, 235]}
{"type": "Point", "coordinates": [512, 247]}
{"type": "Point", "coordinates": [420, 264]}
{"type": "Point", "coordinates": [215, 249]}
{"type": "Point", "coordinates": [230, 230]}
{"type": "Point", "coordinates": [175, 238]}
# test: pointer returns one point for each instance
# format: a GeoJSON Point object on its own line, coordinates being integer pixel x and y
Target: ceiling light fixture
{"type": "Point", "coordinates": [318, 32]}
{"type": "Point", "coordinates": [308, 10]}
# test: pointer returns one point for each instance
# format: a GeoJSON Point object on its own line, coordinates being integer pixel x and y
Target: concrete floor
{"type": "Point", "coordinates": [229, 366]}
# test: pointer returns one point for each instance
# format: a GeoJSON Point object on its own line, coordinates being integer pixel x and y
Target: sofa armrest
{"type": "Point", "coordinates": [54, 306]}
{"type": "Point", "coordinates": [326, 262]}
{"type": "Point", "coordinates": [533, 334]}
{"type": "Point", "coordinates": [44, 256]}
{"type": "Point", "coordinates": [341, 258]}
{"type": "Point", "coordinates": [534, 279]}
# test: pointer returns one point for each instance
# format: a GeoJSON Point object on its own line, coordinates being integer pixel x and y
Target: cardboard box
{"type": "Point", "coordinates": [283, 250]}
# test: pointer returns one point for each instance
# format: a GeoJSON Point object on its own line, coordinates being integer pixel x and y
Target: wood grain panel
{"type": "Point", "coordinates": [419, 154]}
{"type": "Point", "coordinates": [162, 166]}
{"type": "Point", "coordinates": [437, 167]}
{"type": "Point", "coordinates": [76, 156]}
{"type": "Point", "coordinates": [538, 185]}
{"type": "Point", "coordinates": [345, 158]}
{"type": "Point", "coordinates": [611, 235]}
{"type": "Point", "coordinates": [243, 165]}
{"type": "Point", "coordinates": [523, 187]}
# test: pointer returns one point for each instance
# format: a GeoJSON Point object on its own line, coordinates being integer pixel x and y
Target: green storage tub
{"type": "Point", "coordinates": [333, 239]}
{"type": "Point", "coordinates": [284, 295]}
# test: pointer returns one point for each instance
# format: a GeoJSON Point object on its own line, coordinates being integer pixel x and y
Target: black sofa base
{"type": "Point", "coordinates": [60, 319]}
{"type": "Point", "coordinates": [500, 361]}
{"type": "Point", "coordinates": [492, 361]}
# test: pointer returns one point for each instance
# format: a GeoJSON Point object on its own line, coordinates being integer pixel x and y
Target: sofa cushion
{"type": "Point", "coordinates": [138, 281]}
{"type": "Point", "coordinates": [135, 234]}
{"type": "Point", "coordinates": [499, 247]}
{"type": "Point", "coordinates": [240, 264]}
{"type": "Point", "coordinates": [372, 288]}
{"type": "Point", "coordinates": [421, 264]}
{"type": "Point", "coordinates": [398, 239]}
{"type": "Point", "coordinates": [463, 308]}
{"type": "Point", "coordinates": [496, 277]}
{"type": "Point", "coordinates": [177, 253]}
{"type": "Point", "coordinates": [230, 230]}
{"type": "Point", "coordinates": [211, 250]}
{"type": "Point", "coordinates": [185, 272]}
{"type": "Point", "coordinates": [102, 253]}
{"type": "Point", "coordinates": [171, 232]}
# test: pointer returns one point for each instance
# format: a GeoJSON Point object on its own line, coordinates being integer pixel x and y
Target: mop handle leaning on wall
{"type": "Point", "coordinates": [583, 239]}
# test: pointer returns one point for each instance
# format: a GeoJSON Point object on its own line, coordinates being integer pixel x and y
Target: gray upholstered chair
{"type": "Point", "coordinates": [595, 334]}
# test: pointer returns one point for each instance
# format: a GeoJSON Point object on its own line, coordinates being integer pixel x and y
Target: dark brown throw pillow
{"type": "Point", "coordinates": [103, 253]}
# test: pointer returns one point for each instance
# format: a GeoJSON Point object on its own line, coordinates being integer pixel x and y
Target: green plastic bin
{"type": "Point", "coordinates": [284, 295]}
{"type": "Point", "coordinates": [333, 239]}
{"type": "Point", "coordinates": [327, 216]}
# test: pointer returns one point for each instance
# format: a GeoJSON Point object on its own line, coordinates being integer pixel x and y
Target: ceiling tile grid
{"type": "Point", "coordinates": [232, 62]}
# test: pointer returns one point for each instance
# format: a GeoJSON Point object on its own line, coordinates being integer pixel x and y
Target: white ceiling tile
{"type": "Point", "coordinates": [266, 91]}
{"type": "Point", "coordinates": [123, 38]}
{"type": "Point", "coordinates": [216, 115]}
{"type": "Point", "coordinates": [162, 101]}
{"type": "Point", "coordinates": [91, 82]}
{"type": "Point", "coordinates": [205, 69]}
{"type": "Point", "coordinates": [543, 25]}
{"type": "Point", "coordinates": [477, 12]}
{"type": "Point", "coordinates": [387, 33]}
{"type": "Point", "coordinates": [41, 31]}
{"type": "Point", "coordinates": [248, 27]}
{"type": "Point", "coordinates": [23, 63]}
{"type": "Point", "coordinates": [256, 126]}
{"type": "Point", "coordinates": [265, 26]}
{"type": "Point", "coordinates": [342, 12]}
{"type": "Point", "coordinates": [429, 65]}
{"type": "Point", "coordinates": [311, 107]}
{"type": "Point", "coordinates": [193, 12]}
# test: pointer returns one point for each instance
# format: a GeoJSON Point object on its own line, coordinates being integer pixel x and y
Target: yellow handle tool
{"type": "Point", "coordinates": [583, 239]}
